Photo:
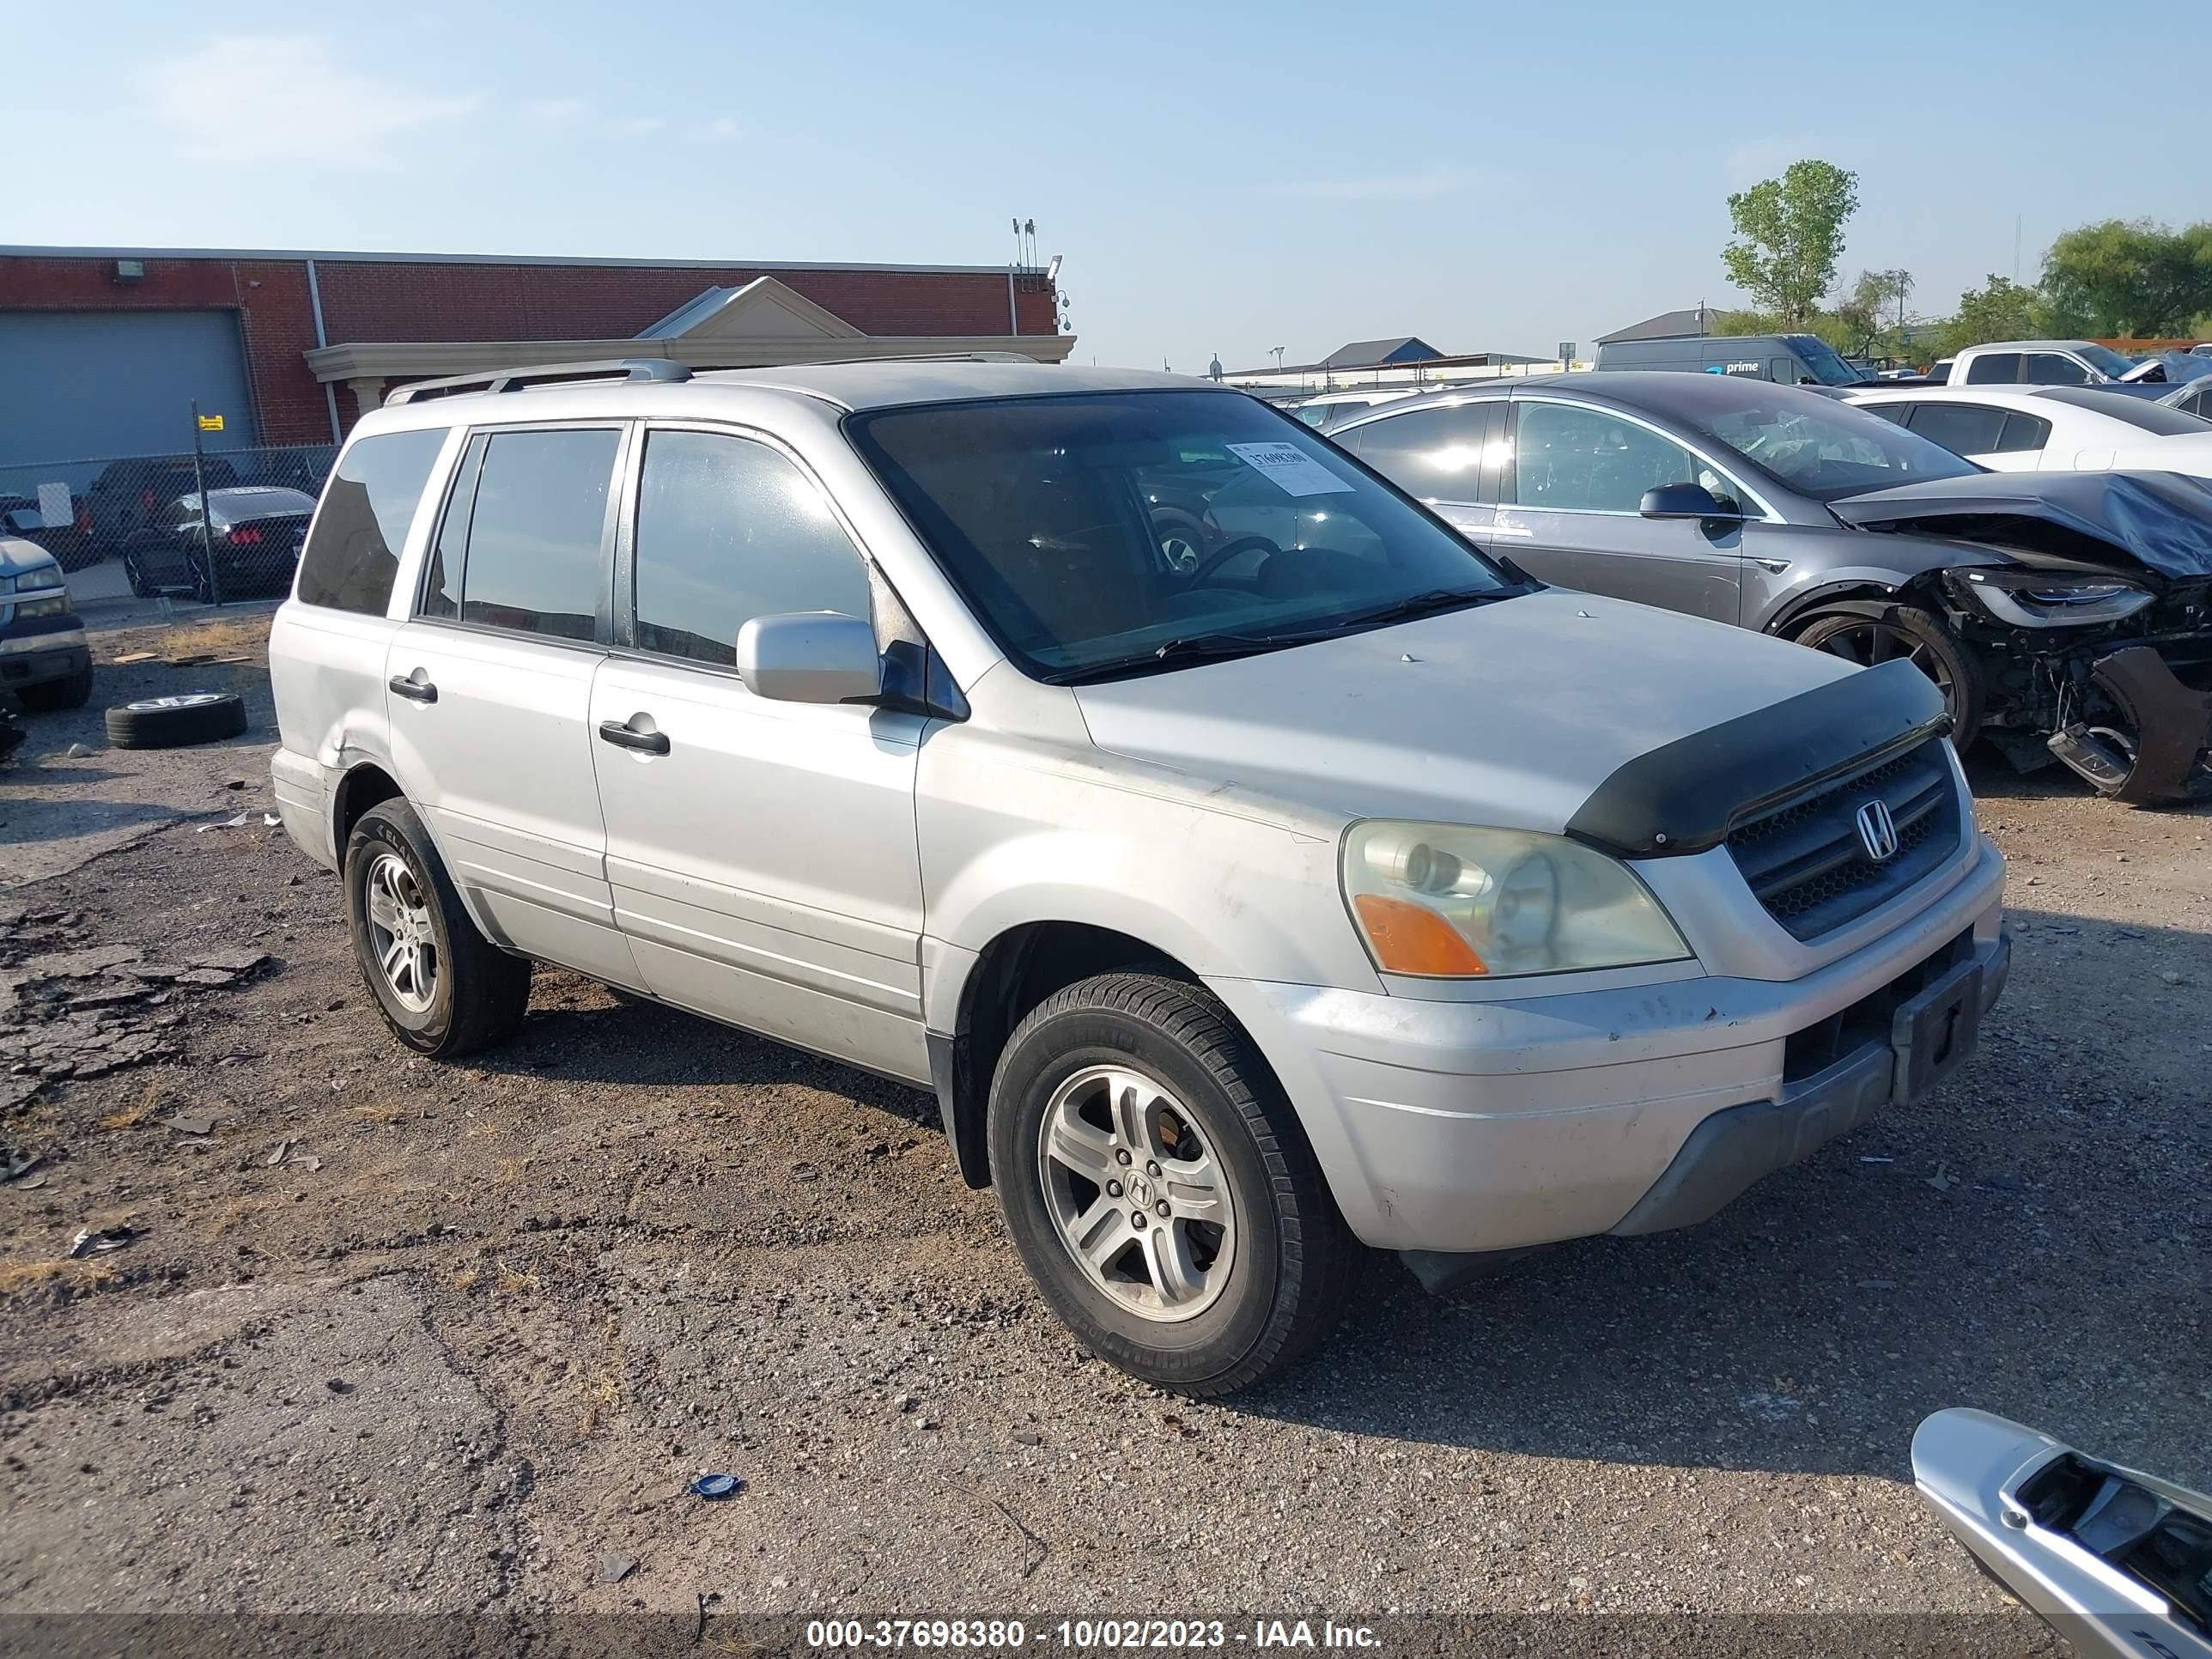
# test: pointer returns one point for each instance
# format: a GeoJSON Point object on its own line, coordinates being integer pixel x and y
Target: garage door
{"type": "Point", "coordinates": [80, 383]}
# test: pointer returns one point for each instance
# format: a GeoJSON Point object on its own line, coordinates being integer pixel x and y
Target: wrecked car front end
{"type": "Point", "coordinates": [2095, 632]}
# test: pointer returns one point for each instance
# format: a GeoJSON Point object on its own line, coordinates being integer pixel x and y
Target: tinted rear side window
{"type": "Point", "coordinates": [2023, 432]}
{"type": "Point", "coordinates": [368, 507]}
{"type": "Point", "coordinates": [1434, 453]}
{"type": "Point", "coordinates": [1994, 368]}
{"type": "Point", "coordinates": [1962, 428]}
{"type": "Point", "coordinates": [537, 533]}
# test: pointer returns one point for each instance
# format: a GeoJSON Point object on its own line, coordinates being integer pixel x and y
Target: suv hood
{"type": "Point", "coordinates": [2161, 522]}
{"type": "Point", "coordinates": [1509, 713]}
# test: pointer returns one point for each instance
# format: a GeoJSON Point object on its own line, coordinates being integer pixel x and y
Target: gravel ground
{"type": "Point", "coordinates": [475, 1328]}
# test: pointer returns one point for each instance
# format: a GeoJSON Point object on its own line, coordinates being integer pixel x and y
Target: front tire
{"type": "Point", "coordinates": [1159, 1188]}
{"type": "Point", "coordinates": [1871, 633]}
{"type": "Point", "coordinates": [443, 987]}
{"type": "Point", "coordinates": [70, 691]}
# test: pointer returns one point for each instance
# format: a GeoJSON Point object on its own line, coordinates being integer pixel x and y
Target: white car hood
{"type": "Point", "coordinates": [1510, 713]}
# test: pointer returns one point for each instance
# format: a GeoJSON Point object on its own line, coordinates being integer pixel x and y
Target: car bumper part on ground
{"type": "Point", "coordinates": [1463, 1129]}
{"type": "Point", "coordinates": [2174, 726]}
{"type": "Point", "coordinates": [35, 659]}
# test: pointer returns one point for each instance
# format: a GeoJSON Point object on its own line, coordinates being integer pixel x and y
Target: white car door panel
{"type": "Point", "coordinates": [490, 691]}
{"type": "Point", "coordinates": [762, 855]}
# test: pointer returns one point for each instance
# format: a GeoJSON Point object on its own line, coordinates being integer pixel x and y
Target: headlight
{"type": "Point", "coordinates": [1445, 901]}
{"type": "Point", "coordinates": [2041, 599]}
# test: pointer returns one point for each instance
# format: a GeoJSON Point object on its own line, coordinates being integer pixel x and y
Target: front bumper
{"type": "Point", "coordinates": [1463, 1127]}
{"type": "Point", "coordinates": [35, 658]}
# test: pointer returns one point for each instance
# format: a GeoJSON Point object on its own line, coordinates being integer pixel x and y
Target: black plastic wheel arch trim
{"type": "Point", "coordinates": [1685, 796]}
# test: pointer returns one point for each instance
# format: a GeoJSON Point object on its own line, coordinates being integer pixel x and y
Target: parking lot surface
{"type": "Point", "coordinates": [395, 1335]}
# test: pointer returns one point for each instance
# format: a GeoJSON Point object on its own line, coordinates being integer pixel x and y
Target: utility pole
{"type": "Point", "coordinates": [206, 512]}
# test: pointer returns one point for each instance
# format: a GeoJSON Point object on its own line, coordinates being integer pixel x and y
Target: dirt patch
{"type": "Point", "coordinates": [563, 1279]}
{"type": "Point", "coordinates": [58, 810]}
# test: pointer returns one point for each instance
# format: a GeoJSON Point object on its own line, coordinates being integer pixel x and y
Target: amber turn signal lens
{"type": "Point", "coordinates": [1411, 939]}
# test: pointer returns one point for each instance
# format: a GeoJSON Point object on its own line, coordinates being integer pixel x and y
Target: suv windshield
{"type": "Point", "coordinates": [1103, 534]}
{"type": "Point", "coordinates": [1829, 451]}
{"type": "Point", "coordinates": [1826, 363]}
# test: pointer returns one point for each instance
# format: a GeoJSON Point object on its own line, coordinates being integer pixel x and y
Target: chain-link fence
{"type": "Point", "coordinates": [143, 512]}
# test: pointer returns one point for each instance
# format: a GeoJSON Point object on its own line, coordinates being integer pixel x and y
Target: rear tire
{"type": "Point", "coordinates": [443, 989]}
{"type": "Point", "coordinates": [1868, 633]}
{"type": "Point", "coordinates": [1147, 1083]}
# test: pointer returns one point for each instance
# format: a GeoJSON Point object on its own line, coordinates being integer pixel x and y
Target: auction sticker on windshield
{"type": "Point", "coordinates": [1294, 471]}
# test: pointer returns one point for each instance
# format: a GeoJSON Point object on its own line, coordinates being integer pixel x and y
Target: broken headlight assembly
{"type": "Point", "coordinates": [2047, 598]}
{"type": "Point", "coordinates": [1446, 900]}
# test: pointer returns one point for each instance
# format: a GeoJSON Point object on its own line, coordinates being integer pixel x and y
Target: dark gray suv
{"type": "Point", "coordinates": [2065, 615]}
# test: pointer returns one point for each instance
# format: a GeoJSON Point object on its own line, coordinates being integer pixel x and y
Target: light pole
{"type": "Point", "coordinates": [1278, 351]}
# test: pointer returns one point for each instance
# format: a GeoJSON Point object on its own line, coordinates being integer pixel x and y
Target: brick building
{"type": "Point", "coordinates": [102, 350]}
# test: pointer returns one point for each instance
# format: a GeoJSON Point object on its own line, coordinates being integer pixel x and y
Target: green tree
{"type": "Point", "coordinates": [2129, 278]}
{"type": "Point", "coordinates": [2000, 309]}
{"type": "Point", "coordinates": [1745, 322]}
{"type": "Point", "coordinates": [1791, 232]}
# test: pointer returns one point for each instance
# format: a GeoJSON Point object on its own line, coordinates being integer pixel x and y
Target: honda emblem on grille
{"type": "Point", "coordinates": [1877, 830]}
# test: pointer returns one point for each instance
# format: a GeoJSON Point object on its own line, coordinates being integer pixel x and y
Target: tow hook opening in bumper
{"type": "Point", "coordinates": [2172, 727]}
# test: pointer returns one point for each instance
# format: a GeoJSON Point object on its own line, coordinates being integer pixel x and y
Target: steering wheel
{"type": "Point", "coordinates": [1213, 561]}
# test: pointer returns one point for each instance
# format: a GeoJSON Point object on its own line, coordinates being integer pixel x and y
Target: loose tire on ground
{"type": "Point", "coordinates": [171, 722]}
{"type": "Point", "coordinates": [1290, 1254]}
{"type": "Point", "coordinates": [464, 994]}
{"type": "Point", "coordinates": [1868, 632]}
{"type": "Point", "coordinates": [70, 691]}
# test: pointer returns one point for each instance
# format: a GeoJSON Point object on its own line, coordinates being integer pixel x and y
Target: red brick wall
{"type": "Point", "coordinates": [410, 300]}
{"type": "Point", "coordinates": [364, 302]}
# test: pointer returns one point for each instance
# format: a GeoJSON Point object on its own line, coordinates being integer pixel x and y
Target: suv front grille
{"type": "Point", "coordinates": [1805, 860]}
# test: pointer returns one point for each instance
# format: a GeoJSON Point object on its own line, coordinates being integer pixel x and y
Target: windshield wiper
{"type": "Point", "coordinates": [1191, 647]}
{"type": "Point", "coordinates": [1425, 603]}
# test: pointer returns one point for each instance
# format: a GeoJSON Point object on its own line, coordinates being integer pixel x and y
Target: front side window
{"type": "Point", "coordinates": [1435, 454]}
{"type": "Point", "coordinates": [1962, 428]}
{"type": "Point", "coordinates": [536, 529]}
{"type": "Point", "coordinates": [1040, 511]}
{"type": "Point", "coordinates": [728, 530]}
{"type": "Point", "coordinates": [1570, 458]}
{"type": "Point", "coordinates": [1827, 450]}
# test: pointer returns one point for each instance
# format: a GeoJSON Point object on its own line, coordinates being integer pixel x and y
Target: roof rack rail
{"type": "Point", "coordinates": [637, 370]}
{"type": "Point", "coordinates": [633, 369]}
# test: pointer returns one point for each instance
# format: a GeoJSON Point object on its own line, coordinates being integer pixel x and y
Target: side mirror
{"type": "Point", "coordinates": [1686, 501]}
{"type": "Point", "coordinates": [811, 656]}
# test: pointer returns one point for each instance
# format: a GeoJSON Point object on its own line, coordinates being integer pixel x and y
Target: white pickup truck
{"type": "Point", "coordinates": [2049, 362]}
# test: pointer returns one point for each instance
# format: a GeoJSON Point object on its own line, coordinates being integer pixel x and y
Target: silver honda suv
{"type": "Point", "coordinates": [1241, 903]}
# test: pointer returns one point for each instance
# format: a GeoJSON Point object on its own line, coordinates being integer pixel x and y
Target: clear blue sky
{"type": "Point", "coordinates": [1224, 177]}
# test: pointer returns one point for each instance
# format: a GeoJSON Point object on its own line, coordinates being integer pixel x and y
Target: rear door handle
{"type": "Point", "coordinates": [620, 735]}
{"type": "Point", "coordinates": [413, 690]}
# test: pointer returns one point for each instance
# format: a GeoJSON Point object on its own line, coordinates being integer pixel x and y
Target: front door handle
{"type": "Point", "coordinates": [413, 689]}
{"type": "Point", "coordinates": [649, 743]}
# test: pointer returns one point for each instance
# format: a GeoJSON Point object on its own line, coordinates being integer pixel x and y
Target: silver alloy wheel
{"type": "Point", "coordinates": [1139, 1199]}
{"type": "Point", "coordinates": [400, 934]}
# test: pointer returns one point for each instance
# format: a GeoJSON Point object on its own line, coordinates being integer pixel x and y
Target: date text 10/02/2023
{"type": "Point", "coordinates": [1084, 1634]}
